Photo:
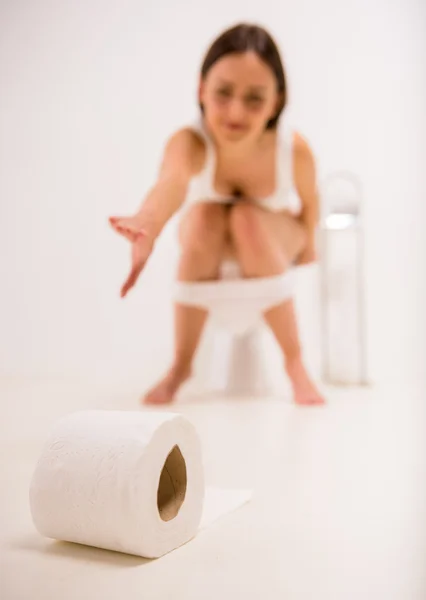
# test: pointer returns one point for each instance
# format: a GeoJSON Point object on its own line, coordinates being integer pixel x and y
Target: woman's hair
{"type": "Point", "coordinates": [246, 38]}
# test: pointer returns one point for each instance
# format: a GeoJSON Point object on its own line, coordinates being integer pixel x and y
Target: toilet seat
{"type": "Point", "coordinates": [236, 304]}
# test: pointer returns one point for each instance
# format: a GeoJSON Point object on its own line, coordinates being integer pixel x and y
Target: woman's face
{"type": "Point", "coordinates": [239, 96]}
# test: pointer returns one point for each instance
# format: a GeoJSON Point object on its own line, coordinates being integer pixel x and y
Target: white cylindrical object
{"type": "Point", "coordinates": [131, 482]}
{"type": "Point", "coordinates": [247, 371]}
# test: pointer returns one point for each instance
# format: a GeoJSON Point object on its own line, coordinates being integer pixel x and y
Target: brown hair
{"type": "Point", "coordinates": [245, 38]}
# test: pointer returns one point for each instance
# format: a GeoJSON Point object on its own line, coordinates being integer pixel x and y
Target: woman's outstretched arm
{"type": "Point", "coordinates": [183, 157]}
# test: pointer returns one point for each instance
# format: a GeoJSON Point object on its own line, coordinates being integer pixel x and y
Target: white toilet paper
{"type": "Point", "coordinates": [131, 482]}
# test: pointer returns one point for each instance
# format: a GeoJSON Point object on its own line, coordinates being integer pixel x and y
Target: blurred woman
{"type": "Point", "coordinates": [233, 172]}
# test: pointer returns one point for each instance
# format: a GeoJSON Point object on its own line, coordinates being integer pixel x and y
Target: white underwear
{"type": "Point", "coordinates": [236, 304]}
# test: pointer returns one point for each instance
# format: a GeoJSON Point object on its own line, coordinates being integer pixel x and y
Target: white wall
{"type": "Point", "coordinates": [90, 91]}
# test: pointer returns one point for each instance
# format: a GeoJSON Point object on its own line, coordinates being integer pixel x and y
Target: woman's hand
{"type": "Point", "coordinates": [142, 244]}
{"type": "Point", "coordinates": [307, 256]}
{"type": "Point", "coordinates": [129, 227]}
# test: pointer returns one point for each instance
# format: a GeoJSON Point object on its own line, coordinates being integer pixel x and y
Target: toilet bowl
{"type": "Point", "coordinates": [235, 361]}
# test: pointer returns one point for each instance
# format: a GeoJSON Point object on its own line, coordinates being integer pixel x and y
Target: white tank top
{"type": "Point", "coordinates": [201, 186]}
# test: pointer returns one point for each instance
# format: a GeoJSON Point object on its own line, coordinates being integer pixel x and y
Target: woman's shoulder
{"type": "Point", "coordinates": [188, 137]}
{"type": "Point", "coordinates": [301, 146]}
{"type": "Point", "coordinates": [186, 143]}
{"type": "Point", "coordinates": [290, 133]}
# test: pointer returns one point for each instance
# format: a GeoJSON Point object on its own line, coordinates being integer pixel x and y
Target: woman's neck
{"type": "Point", "coordinates": [246, 149]}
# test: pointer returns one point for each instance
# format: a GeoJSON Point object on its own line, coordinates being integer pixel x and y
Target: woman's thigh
{"type": "Point", "coordinates": [260, 228]}
{"type": "Point", "coordinates": [203, 225]}
{"type": "Point", "coordinates": [288, 231]}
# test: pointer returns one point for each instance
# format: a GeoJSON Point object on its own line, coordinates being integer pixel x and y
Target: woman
{"type": "Point", "coordinates": [233, 174]}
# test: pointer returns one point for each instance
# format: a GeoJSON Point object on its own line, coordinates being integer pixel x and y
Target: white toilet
{"type": "Point", "coordinates": [233, 359]}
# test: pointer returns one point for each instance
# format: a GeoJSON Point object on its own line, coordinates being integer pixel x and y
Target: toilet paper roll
{"type": "Point", "coordinates": [131, 482]}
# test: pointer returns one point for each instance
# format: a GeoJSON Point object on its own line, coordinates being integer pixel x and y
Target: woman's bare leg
{"type": "Point", "coordinates": [266, 244]}
{"type": "Point", "coordinates": [202, 237]}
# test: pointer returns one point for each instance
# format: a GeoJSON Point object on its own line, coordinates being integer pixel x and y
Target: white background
{"type": "Point", "coordinates": [89, 93]}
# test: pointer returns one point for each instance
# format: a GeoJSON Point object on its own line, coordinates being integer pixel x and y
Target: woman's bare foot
{"type": "Point", "coordinates": [304, 389]}
{"type": "Point", "coordinates": [164, 392]}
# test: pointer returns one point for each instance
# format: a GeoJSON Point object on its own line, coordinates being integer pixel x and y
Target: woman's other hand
{"type": "Point", "coordinates": [307, 256]}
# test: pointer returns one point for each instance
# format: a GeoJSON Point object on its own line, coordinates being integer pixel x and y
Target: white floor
{"type": "Point", "coordinates": [338, 511]}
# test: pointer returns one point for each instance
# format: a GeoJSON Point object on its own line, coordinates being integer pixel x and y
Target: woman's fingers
{"type": "Point", "coordinates": [128, 284]}
{"type": "Point", "coordinates": [126, 233]}
{"type": "Point", "coordinates": [131, 280]}
{"type": "Point", "coordinates": [127, 228]}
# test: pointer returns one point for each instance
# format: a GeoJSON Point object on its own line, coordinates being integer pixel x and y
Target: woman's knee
{"type": "Point", "coordinates": [251, 227]}
{"type": "Point", "coordinates": [204, 228]}
{"type": "Point", "coordinates": [246, 226]}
